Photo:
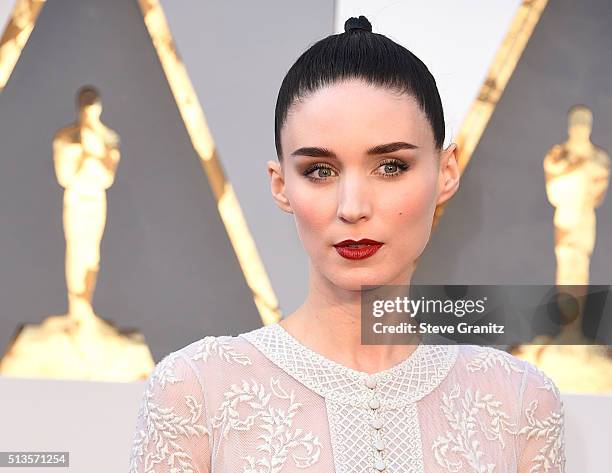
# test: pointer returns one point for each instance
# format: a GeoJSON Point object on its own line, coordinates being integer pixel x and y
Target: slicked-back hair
{"type": "Point", "coordinates": [360, 54]}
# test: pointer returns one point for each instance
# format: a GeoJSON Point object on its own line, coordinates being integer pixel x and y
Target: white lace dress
{"type": "Point", "coordinates": [262, 402]}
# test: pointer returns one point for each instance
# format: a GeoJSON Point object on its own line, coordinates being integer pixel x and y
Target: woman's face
{"type": "Point", "coordinates": [339, 187]}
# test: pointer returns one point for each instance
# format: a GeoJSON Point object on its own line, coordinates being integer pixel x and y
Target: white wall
{"type": "Point", "coordinates": [6, 6]}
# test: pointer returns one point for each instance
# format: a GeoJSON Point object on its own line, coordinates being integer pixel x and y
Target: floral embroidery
{"type": "Point", "coordinates": [278, 438]}
{"type": "Point", "coordinates": [161, 428]}
{"type": "Point", "coordinates": [551, 428]}
{"type": "Point", "coordinates": [488, 356]}
{"type": "Point", "coordinates": [547, 383]}
{"type": "Point", "coordinates": [221, 347]}
{"type": "Point", "coordinates": [347, 398]}
{"type": "Point", "coordinates": [164, 372]}
{"type": "Point", "coordinates": [465, 417]}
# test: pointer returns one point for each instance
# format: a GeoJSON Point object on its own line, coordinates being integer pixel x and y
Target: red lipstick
{"type": "Point", "coordinates": [361, 249]}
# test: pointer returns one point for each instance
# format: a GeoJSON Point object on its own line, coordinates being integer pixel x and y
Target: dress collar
{"type": "Point", "coordinates": [403, 383]}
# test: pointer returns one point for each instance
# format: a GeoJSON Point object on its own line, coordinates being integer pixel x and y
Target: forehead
{"type": "Point", "coordinates": [353, 115]}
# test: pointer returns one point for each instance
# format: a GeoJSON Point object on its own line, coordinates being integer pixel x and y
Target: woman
{"type": "Point", "coordinates": [359, 136]}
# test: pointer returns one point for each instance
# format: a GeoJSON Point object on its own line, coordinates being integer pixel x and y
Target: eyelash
{"type": "Point", "coordinates": [402, 166]}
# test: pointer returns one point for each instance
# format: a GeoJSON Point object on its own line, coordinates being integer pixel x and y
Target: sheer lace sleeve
{"type": "Point", "coordinates": [172, 432]}
{"type": "Point", "coordinates": [541, 431]}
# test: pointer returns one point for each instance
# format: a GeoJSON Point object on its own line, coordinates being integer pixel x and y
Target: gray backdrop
{"type": "Point", "coordinates": [237, 54]}
{"type": "Point", "coordinates": [167, 265]}
{"type": "Point", "coordinates": [498, 228]}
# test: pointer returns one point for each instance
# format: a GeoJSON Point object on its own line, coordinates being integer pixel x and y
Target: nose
{"type": "Point", "coordinates": [354, 201]}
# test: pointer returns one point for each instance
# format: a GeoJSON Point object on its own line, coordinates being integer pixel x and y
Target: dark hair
{"type": "Point", "coordinates": [87, 95]}
{"type": "Point", "coordinates": [359, 53]}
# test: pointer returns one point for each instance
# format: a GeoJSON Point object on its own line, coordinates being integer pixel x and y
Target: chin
{"type": "Point", "coordinates": [353, 280]}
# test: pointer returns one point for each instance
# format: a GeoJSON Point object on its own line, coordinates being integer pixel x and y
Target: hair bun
{"type": "Point", "coordinates": [360, 23]}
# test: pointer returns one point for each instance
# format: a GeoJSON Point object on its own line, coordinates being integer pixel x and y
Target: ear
{"type": "Point", "coordinates": [449, 175]}
{"type": "Point", "coordinates": [277, 186]}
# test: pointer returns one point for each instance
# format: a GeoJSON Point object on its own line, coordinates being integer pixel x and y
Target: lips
{"type": "Point", "coordinates": [362, 242]}
{"type": "Point", "coordinates": [351, 249]}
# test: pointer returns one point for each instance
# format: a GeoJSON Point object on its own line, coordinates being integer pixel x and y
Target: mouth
{"type": "Point", "coordinates": [351, 249]}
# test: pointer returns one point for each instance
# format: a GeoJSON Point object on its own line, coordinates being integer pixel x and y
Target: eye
{"type": "Point", "coordinates": [393, 167]}
{"type": "Point", "coordinates": [319, 172]}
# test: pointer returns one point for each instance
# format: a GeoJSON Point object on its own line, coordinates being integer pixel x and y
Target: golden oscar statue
{"type": "Point", "coordinates": [577, 174]}
{"type": "Point", "coordinates": [80, 344]}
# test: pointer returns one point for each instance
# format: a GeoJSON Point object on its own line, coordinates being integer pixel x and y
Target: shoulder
{"type": "Point", "coordinates": [189, 363]}
{"type": "Point", "coordinates": [495, 366]}
{"type": "Point", "coordinates": [488, 360]}
{"type": "Point", "coordinates": [510, 378]}
{"type": "Point", "coordinates": [540, 400]}
{"type": "Point", "coordinates": [554, 152]}
{"type": "Point", "coordinates": [491, 361]}
{"type": "Point", "coordinates": [197, 372]}
{"type": "Point", "coordinates": [538, 381]}
{"type": "Point", "coordinates": [66, 134]}
{"type": "Point", "coordinates": [112, 137]}
{"type": "Point", "coordinates": [218, 351]}
{"type": "Point", "coordinates": [219, 360]}
{"type": "Point", "coordinates": [171, 376]}
{"type": "Point", "coordinates": [541, 430]}
{"type": "Point", "coordinates": [601, 157]}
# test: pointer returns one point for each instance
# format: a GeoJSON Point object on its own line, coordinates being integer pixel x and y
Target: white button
{"type": "Point", "coordinates": [370, 382]}
{"type": "Point", "coordinates": [374, 403]}
{"type": "Point", "coordinates": [379, 444]}
{"type": "Point", "coordinates": [376, 424]}
{"type": "Point", "coordinates": [379, 464]}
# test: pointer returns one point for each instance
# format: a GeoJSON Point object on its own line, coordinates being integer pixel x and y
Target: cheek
{"type": "Point", "coordinates": [313, 210]}
{"type": "Point", "coordinates": [411, 207]}
{"type": "Point", "coordinates": [310, 217]}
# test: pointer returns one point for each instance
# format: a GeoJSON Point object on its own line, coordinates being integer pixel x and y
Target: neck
{"type": "Point", "coordinates": [329, 323]}
{"type": "Point", "coordinates": [89, 123]}
{"type": "Point", "coordinates": [578, 142]}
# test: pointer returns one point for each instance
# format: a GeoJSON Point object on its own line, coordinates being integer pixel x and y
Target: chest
{"type": "Point", "coordinates": [273, 427]}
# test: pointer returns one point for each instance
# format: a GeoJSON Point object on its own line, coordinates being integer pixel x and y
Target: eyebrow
{"type": "Point", "coordinates": [318, 152]}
